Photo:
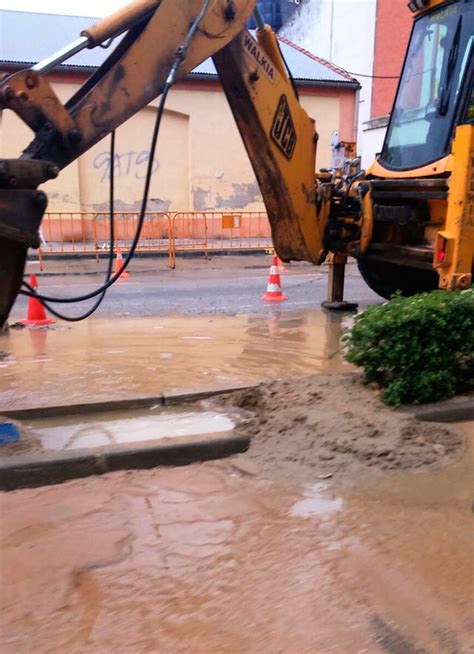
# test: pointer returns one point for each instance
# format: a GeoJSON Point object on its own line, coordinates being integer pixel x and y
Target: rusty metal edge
{"type": "Point", "coordinates": [32, 471]}
{"type": "Point", "coordinates": [166, 399]}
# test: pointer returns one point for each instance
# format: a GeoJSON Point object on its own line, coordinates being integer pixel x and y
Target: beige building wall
{"type": "Point", "coordinates": [63, 192]}
{"type": "Point", "coordinates": [171, 175]}
{"type": "Point", "coordinates": [221, 173]}
{"type": "Point", "coordinates": [200, 164]}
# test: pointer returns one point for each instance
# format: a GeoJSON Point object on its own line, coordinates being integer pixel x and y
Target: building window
{"type": "Point", "coordinates": [275, 12]}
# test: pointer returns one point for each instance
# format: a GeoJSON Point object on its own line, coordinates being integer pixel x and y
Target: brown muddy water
{"type": "Point", "coordinates": [216, 558]}
{"type": "Point", "coordinates": [103, 359]}
{"type": "Point", "coordinates": [126, 427]}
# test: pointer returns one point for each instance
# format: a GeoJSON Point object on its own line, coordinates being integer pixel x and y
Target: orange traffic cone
{"type": "Point", "coordinates": [280, 265]}
{"type": "Point", "coordinates": [274, 293]}
{"type": "Point", "coordinates": [118, 264]}
{"type": "Point", "coordinates": [36, 313]}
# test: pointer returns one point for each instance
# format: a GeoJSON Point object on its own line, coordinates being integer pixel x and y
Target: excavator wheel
{"type": "Point", "coordinates": [388, 278]}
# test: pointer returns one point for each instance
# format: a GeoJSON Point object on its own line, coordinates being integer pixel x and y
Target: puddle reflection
{"type": "Point", "coordinates": [105, 358]}
{"type": "Point", "coordinates": [316, 503]}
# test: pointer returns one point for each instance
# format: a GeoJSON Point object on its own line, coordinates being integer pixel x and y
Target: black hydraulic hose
{"type": "Point", "coordinates": [354, 179]}
{"type": "Point", "coordinates": [111, 249]}
{"type": "Point", "coordinates": [141, 218]}
{"type": "Point", "coordinates": [179, 58]}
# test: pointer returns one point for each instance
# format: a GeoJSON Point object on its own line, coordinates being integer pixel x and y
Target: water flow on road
{"type": "Point", "coordinates": [103, 359]}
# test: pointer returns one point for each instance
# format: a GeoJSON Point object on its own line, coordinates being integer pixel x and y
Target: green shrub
{"type": "Point", "coordinates": [418, 349]}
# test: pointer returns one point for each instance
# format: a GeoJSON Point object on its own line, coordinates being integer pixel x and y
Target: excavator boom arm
{"type": "Point", "coordinates": [280, 139]}
{"type": "Point", "coordinates": [278, 134]}
{"type": "Point", "coordinates": [132, 76]}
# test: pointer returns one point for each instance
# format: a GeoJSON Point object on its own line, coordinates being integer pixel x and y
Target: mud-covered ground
{"type": "Point", "coordinates": [254, 554]}
{"type": "Point", "coordinates": [203, 559]}
{"type": "Point", "coordinates": [320, 426]}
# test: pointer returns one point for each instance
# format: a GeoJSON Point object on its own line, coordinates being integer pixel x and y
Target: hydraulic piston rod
{"type": "Point", "coordinates": [62, 55]}
{"type": "Point", "coordinates": [105, 29]}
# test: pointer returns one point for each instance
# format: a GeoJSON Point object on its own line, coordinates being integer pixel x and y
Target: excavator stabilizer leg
{"type": "Point", "coordinates": [336, 277]}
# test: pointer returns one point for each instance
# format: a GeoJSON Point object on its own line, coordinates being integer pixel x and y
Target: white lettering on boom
{"type": "Point", "coordinates": [257, 55]}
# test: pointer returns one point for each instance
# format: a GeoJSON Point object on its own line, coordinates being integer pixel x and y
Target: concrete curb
{"type": "Point", "coordinates": [455, 410]}
{"type": "Point", "coordinates": [166, 399]}
{"type": "Point", "coordinates": [31, 471]}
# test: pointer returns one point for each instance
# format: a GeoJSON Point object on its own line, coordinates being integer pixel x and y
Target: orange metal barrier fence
{"type": "Point", "coordinates": [170, 232]}
{"type": "Point", "coordinates": [195, 231]}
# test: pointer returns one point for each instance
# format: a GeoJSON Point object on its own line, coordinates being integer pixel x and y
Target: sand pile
{"type": "Point", "coordinates": [327, 425]}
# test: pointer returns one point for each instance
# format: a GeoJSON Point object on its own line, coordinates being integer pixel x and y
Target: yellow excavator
{"type": "Point", "coordinates": [408, 220]}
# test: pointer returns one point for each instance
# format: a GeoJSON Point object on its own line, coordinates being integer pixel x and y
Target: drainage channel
{"type": "Point", "coordinates": [57, 448]}
{"type": "Point", "coordinates": [109, 429]}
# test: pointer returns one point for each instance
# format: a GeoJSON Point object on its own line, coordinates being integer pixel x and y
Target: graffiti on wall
{"type": "Point", "coordinates": [126, 164]}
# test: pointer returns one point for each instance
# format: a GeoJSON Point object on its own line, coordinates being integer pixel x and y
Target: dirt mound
{"type": "Point", "coordinates": [333, 424]}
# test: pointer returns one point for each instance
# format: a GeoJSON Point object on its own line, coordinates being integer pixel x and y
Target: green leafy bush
{"type": "Point", "coordinates": [419, 349]}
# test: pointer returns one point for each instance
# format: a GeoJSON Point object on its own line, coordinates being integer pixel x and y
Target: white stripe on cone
{"type": "Point", "coordinates": [274, 292]}
{"type": "Point", "coordinates": [273, 288]}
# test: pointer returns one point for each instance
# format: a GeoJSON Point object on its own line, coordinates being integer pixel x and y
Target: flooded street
{"type": "Point", "coordinates": [315, 541]}
{"type": "Point", "coordinates": [215, 559]}
{"type": "Point", "coordinates": [103, 359]}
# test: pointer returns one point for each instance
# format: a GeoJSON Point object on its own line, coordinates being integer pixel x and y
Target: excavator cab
{"type": "Point", "coordinates": [422, 232]}
{"type": "Point", "coordinates": [435, 89]}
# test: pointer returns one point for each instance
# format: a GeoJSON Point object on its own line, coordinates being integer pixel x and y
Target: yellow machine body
{"type": "Point", "coordinates": [434, 104]}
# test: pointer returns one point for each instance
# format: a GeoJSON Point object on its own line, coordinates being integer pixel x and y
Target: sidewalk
{"type": "Point", "coordinates": [88, 265]}
{"type": "Point", "coordinates": [81, 265]}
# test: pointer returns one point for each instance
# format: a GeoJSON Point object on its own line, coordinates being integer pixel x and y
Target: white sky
{"type": "Point", "coordinates": [73, 7]}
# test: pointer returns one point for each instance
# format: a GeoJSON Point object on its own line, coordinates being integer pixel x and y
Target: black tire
{"type": "Point", "coordinates": [388, 278]}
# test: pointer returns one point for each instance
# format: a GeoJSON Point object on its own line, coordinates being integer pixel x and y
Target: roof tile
{"type": "Point", "coordinates": [29, 37]}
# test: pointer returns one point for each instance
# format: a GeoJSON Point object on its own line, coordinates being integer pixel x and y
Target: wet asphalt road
{"type": "Point", "coordinates": [231, 284]}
